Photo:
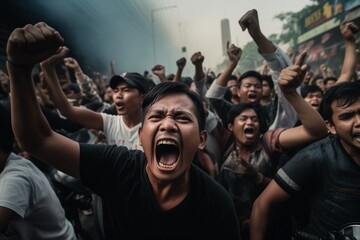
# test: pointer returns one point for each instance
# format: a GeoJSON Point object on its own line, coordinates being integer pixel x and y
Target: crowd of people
{"type": "Point", "coordinates": [271, 153]}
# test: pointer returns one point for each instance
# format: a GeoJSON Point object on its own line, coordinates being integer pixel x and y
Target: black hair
{"type": "Point", "coordinates": [269, 80]}
{"type": "Point", "coordinates": [237, 109]}
{"type": "Point", "coordinates": [164, 88]}
{"type": "Point", "coordinates": [251, 73]}
{"type": "Point", "coordinates": [305, 90]}
{"type": "Point", "coordinates": [345, 94]}
{"type": "Point", "coordinates": [316, 78]}
{"type": "Point", "coordinates": [7, 135]}
{"type": "Point", "coordinates": [329, 79]}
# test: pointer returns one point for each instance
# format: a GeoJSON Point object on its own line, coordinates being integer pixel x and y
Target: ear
{"type": "Point", "coordinates": [230, 127]}
{"type": "Point", "coordinates": [331, 128]}
{"type": "Point", "coordinates": [140, 134]}
{"type": "Point", "coordinates": [203, 137]}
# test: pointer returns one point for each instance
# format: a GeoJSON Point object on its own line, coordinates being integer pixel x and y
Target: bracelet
{"type": "Point", "coordinates": [19, 65]}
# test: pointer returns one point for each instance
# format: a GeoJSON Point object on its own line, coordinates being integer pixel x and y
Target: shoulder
{"type": "Point", "coordinates": [207, 187]}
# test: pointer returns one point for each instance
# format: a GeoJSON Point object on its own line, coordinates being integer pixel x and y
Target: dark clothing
{"type": "Point", "coordinates": [118, 176]}
{"type": "Point", "coordinates": [333, 179]}
{"type": "Point", "coordinates": [267, 112]}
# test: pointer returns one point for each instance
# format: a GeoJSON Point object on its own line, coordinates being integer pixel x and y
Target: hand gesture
{"type": "Point", "coordinates": [55, 59]}
{"type": "Point", "coordinates": [349, 30]}
{"type": "Point", "coordinates": [181, 63]}
{"type": "Point", "coordinates": [197, 59]}
{"type": "Point", "coordinates": [158, 70]}
{"type": "Point", "coordinates": [250, 21]}
{"type": "Point", "coordinates": [71, 63]}
{"type": "Point", "coordinates": [32, 44]}
{"type": "Point", "coordinates": [233, 52]}
{"type": "Point", "coordinates": [291, 77]}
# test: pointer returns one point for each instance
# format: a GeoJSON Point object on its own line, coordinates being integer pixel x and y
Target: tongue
{"type": "Point", "coordinates": [168, 158]}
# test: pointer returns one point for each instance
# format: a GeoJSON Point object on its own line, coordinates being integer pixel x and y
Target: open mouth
{"type": "Point", "coordinates": [252, 96]}
{"type": "Point", "coordinates": [249, 132]}
{"type": "Point", "coordinates": [167, 154]}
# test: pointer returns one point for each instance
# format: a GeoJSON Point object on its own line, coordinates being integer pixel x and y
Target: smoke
{"type": "Point", "coordinates": [98, 31]}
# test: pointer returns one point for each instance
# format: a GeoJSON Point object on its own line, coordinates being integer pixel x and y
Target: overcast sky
{"type": "Point", "coordinates": [141, 33]}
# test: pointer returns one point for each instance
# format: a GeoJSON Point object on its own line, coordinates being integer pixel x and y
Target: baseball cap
{"type": "Point", "coordinates": [133, 79]}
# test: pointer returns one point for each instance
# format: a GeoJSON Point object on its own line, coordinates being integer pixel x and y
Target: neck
{"type": "Point", "coordinates": [132, 120]}
{"type": "Point", "coordinates": [169, 194]}
{"type": "Point", "coordinates": [245, 150]}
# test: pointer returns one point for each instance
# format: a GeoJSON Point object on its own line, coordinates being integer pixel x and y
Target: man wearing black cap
{"type": "Point", "coordinates": [128, 93]}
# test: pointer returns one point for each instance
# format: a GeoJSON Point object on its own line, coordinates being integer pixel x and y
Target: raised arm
{"type": "Point", "coordinates": [198, 59]}
{"type": "Point", "coordinates": [285, 116]}
{"type": "Point", "coordinates": [159, 71]}
{"type": "Point", "coordinates": [81, 115]}
{"type": "Point", "coordinates": [112, 68]}
{"type": "Point", "coordinates": [234, 54]}
{"type": "Point", "coordinates": [313, 126]}
{"type": "Point", "coordinates": [85, 83]}
{"type": "Point", "coordinates": [26, 47]}
{"type": "Point", "coordinates": [180, 63]}
{"type": "Point", "coordinates": [348, 30]}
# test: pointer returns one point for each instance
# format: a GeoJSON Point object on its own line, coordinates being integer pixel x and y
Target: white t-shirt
{"type": "Point", "coordinates": [118, 133]}
{"type": "Point", "coordinates": [25, 190]}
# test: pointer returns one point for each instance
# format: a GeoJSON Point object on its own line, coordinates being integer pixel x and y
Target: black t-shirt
{"type": "Point", "coordinates": [331, 178]}
{"type": "Point", "coordinates": [118, 176]}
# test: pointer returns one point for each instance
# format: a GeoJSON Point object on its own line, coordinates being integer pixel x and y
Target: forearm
{"type": "Point", "coordinates": [55, 91]}
{"type": "Point", "coordinates": [224, 76]}
{"type": "Point", "coordinates": [43, 97]}
{"type": "Point", "coordinates": [199, 72]}
{"type": "Point", "coordinates": [311, 120]}
{"type": "Point", "coordinates": [28, 122]}
{"type": "Point", "coordinates": [178, 74]}
{"type": "Point", "coordinates": [258, 222]}
{"type": "Point", "coordinates": [265, 45]}
{"type": "Point", "coordinates": [350, 61]}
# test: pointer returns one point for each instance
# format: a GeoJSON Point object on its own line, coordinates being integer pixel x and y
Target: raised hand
{"type": "Point", "coordinates": [349, 30]}
{"type": "Point", "coordinates": [291, 77]}
{"type": "Point", "coordinates": [158, 70]}
{"type": "Point", "coordinates": [56, 58]}
{"type": "Point", "coordinates": [250, 21]}
{"type": "Point", "coordinates": [197, 59]}
{"type": "Point", "coordinates": [32, 44]}
{"type": "Point", "coordinates": [71, 63]}
{"type": "Point", "coordinates": [233, 52]}
{"type": "Point", "coordinates": [181, 63]}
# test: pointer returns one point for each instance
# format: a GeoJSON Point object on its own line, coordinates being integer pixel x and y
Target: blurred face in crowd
{"type": "Point", "coordinates": [127, 99]}
{"type": "Point", "coordinates": [108, 95]}
{"type": "Point", "coordinates": [267, 92]}
{"type": "Point", "coordinates": [170, 137]}
{"type": "Point", "coordinates": [232, 85]}
{"type": "Point", "coordinates": [329, 83]}
{"type": "Point", "coordinates": [73, 97]}
{"type": "Point", "coordinates": [320, 83]}
{"type": "Point", "coordinates": [250, 90]}
{"type": "Point", "coordinates": [246, 127]}
{"type": "Point", "coordinates": [314, 99]}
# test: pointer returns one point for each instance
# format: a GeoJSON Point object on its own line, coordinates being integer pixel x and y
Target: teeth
{"type": "Point", "coordinates": [166, 165]}
{"type": "Point", "coordinates": [166, 142]}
